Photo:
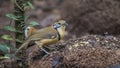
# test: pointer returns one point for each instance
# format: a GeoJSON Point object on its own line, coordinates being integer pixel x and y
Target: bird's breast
{"type": "Point", "coordinates": [49, 41]}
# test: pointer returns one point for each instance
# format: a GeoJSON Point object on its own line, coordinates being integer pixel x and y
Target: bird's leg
{"type": "Point", "coordinates": [50, 48]}
{"type": "Point", "coordinates": [40, 45]}
{"type": "Point", "coordinates": [44, 50]}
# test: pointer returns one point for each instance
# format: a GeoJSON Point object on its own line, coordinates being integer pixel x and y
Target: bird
{"type": "Point", "coordinates": [46, 36]}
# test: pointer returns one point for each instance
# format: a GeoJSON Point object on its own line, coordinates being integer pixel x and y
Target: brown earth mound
{"type": "Point", "coordinates": [90, 51]}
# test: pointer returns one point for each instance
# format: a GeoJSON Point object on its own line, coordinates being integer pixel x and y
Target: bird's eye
{"type": "Point", "coordinates": [59, 23]}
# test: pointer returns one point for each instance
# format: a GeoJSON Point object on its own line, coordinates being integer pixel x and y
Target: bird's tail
{"type": "Point", "coordinates": [22, 46]}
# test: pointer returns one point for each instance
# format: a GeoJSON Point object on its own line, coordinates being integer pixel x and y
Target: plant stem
{"type": "Point", "coordinates": [19, 24]}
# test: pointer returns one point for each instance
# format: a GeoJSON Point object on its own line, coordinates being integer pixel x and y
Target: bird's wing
{"type": "Point", "coordinates": [50, 36]}
{"type": "Point", "coordinates": [46, 33]}
{"type": "Point", "coordinates": [45, 36]}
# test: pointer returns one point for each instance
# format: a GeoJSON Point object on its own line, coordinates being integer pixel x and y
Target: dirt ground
{"type": "Point", "coordinates": [92, 39]}
{"type": "Point", "coordinates": [89, 51]}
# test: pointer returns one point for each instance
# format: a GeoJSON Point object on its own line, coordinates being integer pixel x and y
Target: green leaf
{"type": "Point", "coordinates": [18, 40]}
{"type": "Point", "coordinates": [26, 17]}
{"type": "Point", "coordinates": [7, 37]}
{"type": "Point", "coordinates": [9, 46]}
{"type": "Point", "coordinates": [33, 23]}
{"type": "Point", "coordinates": [30, 4]}
{"type": "Point", "coordinates": [19, 31]}
{"type": "Point", "coordinates": [12, 16]}
{"type": "Point", "coordinates": [4, 57]}
{"type": "Point", "coordinates": [4, 49]}
{"type": "Point", "coordinates": [10, 28]}
{"type": "Point", "coordinates": [11, 56]}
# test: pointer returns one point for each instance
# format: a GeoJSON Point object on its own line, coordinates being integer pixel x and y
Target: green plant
{"type": "Point", "coordinates": [8, 49]}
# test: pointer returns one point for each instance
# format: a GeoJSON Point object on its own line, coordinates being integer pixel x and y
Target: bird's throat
{"type": "Point", "coordinates": [60, 33]}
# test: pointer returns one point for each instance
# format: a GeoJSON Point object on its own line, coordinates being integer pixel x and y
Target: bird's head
{"type": "Point", "coordinates": [60, 24]}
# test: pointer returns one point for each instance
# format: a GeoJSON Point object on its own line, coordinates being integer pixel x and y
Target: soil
{"type": "Point", "coordinates": [89, 51]}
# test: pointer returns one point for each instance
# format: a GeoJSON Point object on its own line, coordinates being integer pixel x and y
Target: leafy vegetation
{"type": "Point", "coordinates": [8, 49]}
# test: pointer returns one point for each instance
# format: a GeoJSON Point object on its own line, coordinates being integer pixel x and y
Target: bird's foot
{"type": "Point", "coordinates": [47, 53]}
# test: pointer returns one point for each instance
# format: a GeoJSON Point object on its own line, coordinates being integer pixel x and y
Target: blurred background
{"type": "Point", "coordinates": [83, 16]}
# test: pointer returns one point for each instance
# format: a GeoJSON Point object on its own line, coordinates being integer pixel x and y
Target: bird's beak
{"type": "Point", "coordinates": [66, 24]}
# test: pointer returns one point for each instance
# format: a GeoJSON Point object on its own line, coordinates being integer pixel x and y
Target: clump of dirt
{"type": "Point", "coordinates": [89, 51]}
{"type": "Point", "coordinates": [8, 63]}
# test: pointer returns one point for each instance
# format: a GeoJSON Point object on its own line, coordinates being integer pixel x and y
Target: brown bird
{"type": "Point", "coordinates": [46, 36]}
